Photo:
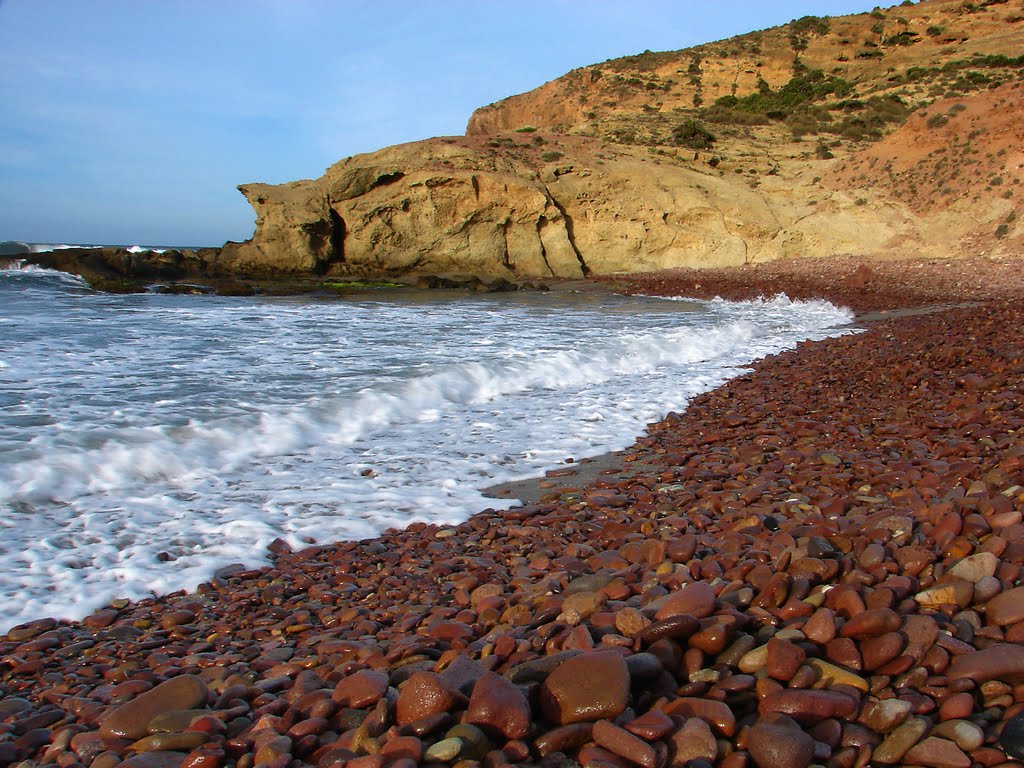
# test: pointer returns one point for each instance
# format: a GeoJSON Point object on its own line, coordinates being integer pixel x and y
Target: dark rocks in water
{"type": "Point", "coordinates": [13, 248]}
{"type": "Point", "coordinates": [465, 282]}
{"type": "Point", "coordinates": [119, 270]}
{"type": "Point", "coordinates": [204, 271]}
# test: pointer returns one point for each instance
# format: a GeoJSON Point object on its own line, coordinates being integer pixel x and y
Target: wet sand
{"type": "Point", "coordinates": [818, 563]}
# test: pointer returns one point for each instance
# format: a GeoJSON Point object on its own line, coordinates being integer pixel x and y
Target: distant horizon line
{"type": "Point", "coordinates": [72, 244]}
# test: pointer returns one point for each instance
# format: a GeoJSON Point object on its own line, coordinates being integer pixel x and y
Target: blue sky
{"type": "Point", "coordinates": [132, 121]}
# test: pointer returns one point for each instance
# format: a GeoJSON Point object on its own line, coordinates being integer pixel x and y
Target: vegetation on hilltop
{"type": "Point", "coordinates": [846, 80]}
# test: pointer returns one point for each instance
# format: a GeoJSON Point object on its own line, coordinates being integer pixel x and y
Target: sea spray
{"type": "Point", "coordinates": [147, 440]}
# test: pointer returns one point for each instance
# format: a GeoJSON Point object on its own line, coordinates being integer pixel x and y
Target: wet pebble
{"type": "Point", "coordinates": [774, 745]}
{"type": "Point", "coordinates": [587, 687]}
{"type": "Point", "coordinates": [131, 720]}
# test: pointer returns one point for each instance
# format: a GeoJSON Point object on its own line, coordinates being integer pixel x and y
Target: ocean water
{"type": "Point", "coordinates": [147, 440]}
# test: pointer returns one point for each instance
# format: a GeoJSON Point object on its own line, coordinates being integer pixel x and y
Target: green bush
{"type": "Point", "coordinates": [551, 157]}
{"type": "Point", "coordinates": [810, 25]}
{"type": "Point", "coordinates": [903, 38]}
{"type": "Point", "coordinates": [805, 87]}
{"type": "Point", "coordinates": [692, 134]}
{"type": "Point", "coordinates": [728, 115]}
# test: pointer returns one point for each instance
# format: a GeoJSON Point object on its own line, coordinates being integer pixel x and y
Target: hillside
{"type": "Point", "coordinates": [887, 134]}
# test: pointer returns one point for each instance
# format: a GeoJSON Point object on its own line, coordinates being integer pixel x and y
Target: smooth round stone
{"type": "Point", "coordinates": [958, 592]}
{"type": "Point", "coordinates": [872, 623]}
{"type": "Point", "coordinates": [475, 744]}
{"type": "Point", "coordinates": [621, 742]}
{"type": "Point", "coordinates": [963, 733]}
{"type": "Point", "coordinates": [630, 622]}
{"type": "Point", "coordinates": [820, 547]}
{"type": "Point", "coordinates": [674, 628]}
{"type": "Point", "coordinates": [13, 705]}
{"type": "Point", "coordinates": [444, 751]}
{"type": "Point", "coordinates": [975, 567]}
{"type": "Point", "coordinates": [589, 583]}
{"type": "Point", "coordinates": [1012, 737]}
{"type": "Point", "coordinates": [361, 690]}
{"type": "Point", "coordinates": [783, 659]}
{"type": "Point", "coordinates": [583, 604]}
{"type": "Point", "coordinates": [956, 707]}
{"type": "Point", "coordinates": [643, 667]}
{"type": "Point", "coordinates": [899, 742]}
{"type": "Point", "coordinates": [131, 720]}
{"type": "Point", "coordinates": [200, 758]}
{"type": "Point", "coordinates": [717, 714]}
{"type": "Point", "coordinates": [837, 675]}
{"type": "Point", "coordinates": [564, 738]}
{"type": "Point", "coordinates": [713, 639]}
{"type": "Point", "coordinates": [422, 695]}
{"type": "Point", "coordinates": [180, 742]}
{"type": "Point", "coordinates": [498, 704]}
{"type": "Point", "coordinates": [403, 746]}
{"type": "Point", "coordinates": [778, 746]}
{"type": "Point", "coordinates": [878, 651]}
{"type": "Point", "coordinates": [591, 686]}
{"type": "Point", "coordinates": [173, 722]}
{"type": "Point", "coordinates": [937, 753]}
{"type": "Point", "coordinates": [1003, 662]}
{"type": "Point", "coordinates": [921, 633]}
{"type": "Point", "coordinates": [885, 715]}
{"type": "Point", "coordinates": [694, 741]}
{"type": "Point", "coordinates": [652, 725]}
{"type": "Point", "coordinates": [809, 706]}
{"type": "Point", "coordinates": [986, 588]}
{"type": "Point", "coordinates": [155, 760]}
{"type": "Point", "coordinates": [1006, 608]}
{"type": "Point", "coordinates": [696, 599]}
{"type": "Point", "coordinates": [821, 627]}
{"type": "Point", "coordinates": [754, 661]}
{"type": "Point", "coordinates": [537, 670]}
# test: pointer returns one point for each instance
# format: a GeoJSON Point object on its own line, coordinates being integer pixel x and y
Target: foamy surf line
{"type": "Point", "coordinates": [154, 504]}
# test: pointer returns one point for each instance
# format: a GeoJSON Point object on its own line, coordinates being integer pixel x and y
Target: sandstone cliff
{"type": "Point", "coordinates": [780, 143]}
{"type": "Point", "coordinates": [526, 207]}
{"type": "Point", "coordinates": [887, 134]}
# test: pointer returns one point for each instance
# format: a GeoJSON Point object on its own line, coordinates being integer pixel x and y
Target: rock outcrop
{"type": "Point", "coordinates": [565, 208]}
{"type": "Point", "coordinates": [595, 173]}
{"type": "Point", "coordinates": [777, 144]}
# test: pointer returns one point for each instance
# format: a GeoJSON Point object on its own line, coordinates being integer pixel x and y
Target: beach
{"type": "Point", "coordinates": [816, 563]}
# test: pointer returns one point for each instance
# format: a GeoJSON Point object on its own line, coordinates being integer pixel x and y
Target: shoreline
{"type": "Point", "coordinates": [577, 474]}
{"type": "Point", "coordinates": [818, 560]}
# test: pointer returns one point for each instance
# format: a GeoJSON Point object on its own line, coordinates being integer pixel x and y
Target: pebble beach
{"type": "Point", "coordinates": [817, 563]}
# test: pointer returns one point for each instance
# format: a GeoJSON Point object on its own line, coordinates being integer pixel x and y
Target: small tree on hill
{"type": "Point", "coordinates": [692, 134]}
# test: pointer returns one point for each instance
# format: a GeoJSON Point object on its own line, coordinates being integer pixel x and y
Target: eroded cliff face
{"type": "Point", "coordinates": [798, 152]}
{"type": "Point", "coordinates": [462, 205]}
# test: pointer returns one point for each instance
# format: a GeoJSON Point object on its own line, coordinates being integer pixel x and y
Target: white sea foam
{"type": "Point", "coordinates": [46, 247]}
{"type": "Point", "coordinates": [16, 266]}
{"type": "Point", "coordinates": [147, 440]}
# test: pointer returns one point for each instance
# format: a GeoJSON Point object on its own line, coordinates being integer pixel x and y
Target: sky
{"type": "Point", "coordinates": [133, 121]}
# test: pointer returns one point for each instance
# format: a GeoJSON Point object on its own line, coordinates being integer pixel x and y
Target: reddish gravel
{"type": "Point", "coordinates": [818, 563]}
{"type": "Point", "coordinates": [865, 285]}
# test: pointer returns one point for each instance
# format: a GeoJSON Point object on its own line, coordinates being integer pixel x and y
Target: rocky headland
{"type": "Point", "coordinates": [893, 133]}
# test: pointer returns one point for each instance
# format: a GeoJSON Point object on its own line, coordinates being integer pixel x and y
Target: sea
{"type": "Point", "coordinates": [148, 440]}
